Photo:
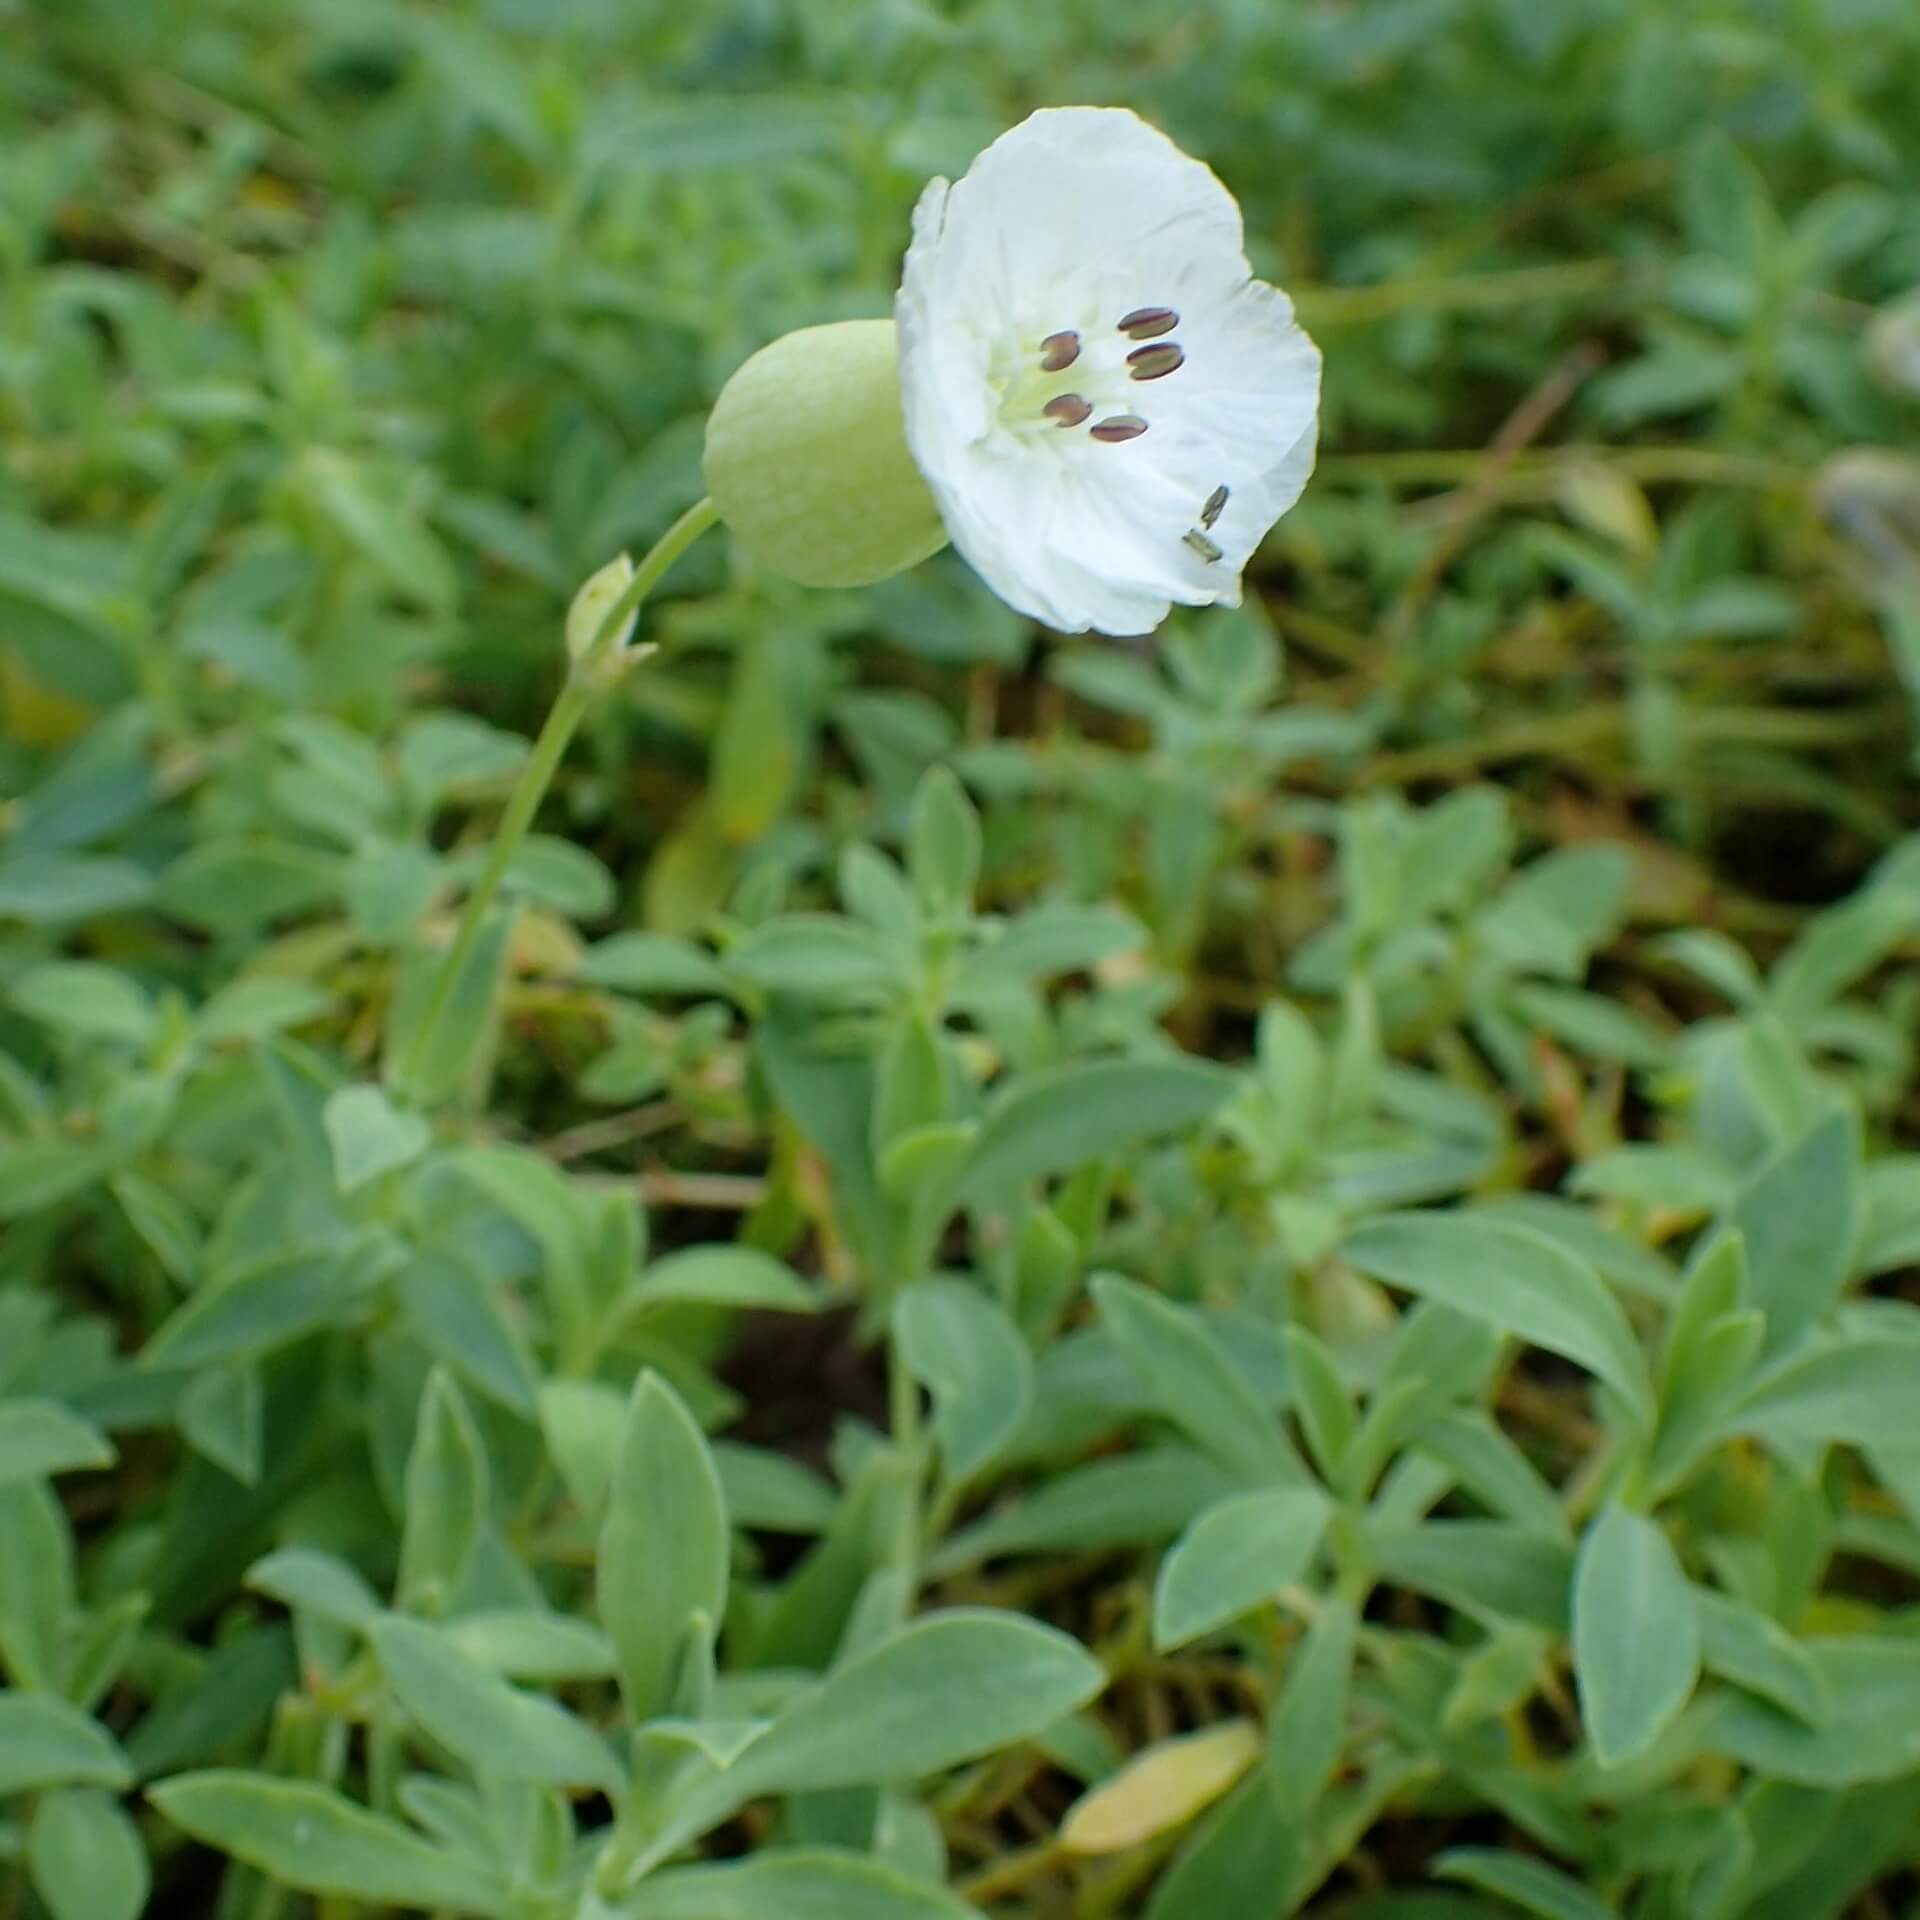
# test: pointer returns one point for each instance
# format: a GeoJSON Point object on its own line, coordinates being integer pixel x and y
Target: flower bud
{"type": "Point", "coordinates": [807, 459]}
{"type": "Point", "coordinates": [594, 602]}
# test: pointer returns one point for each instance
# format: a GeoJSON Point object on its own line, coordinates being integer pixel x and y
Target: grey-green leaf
{"type": "Point", "coordinates": [1180, 1361]}
{"type": "Point", "coordinates": [944, 1690]}
{"type": "Point", "coordinates": [797, 1885]}
{"type": "Point", "coordinates": [1053, 1122]}
{"type": "Point", "coordinates": [496, 1729]}
{"type": "Point", "coordinates": [40, 1437]}
{"type": "Point", "coordinates": [448, 1498]}
{"type": "Point", "coordinates": [1513, 1278]}
{"type": "Point", "coordinates": [973, 1361]}
{"type": "Point", "coordinates": [1636, 1634]}
{"type": "Point", "coordinates": [44, 1742]}
{"type": "Point", "coordinates": [86, 1857]}
{"type": "Point", "coordinates": [1523, 1882]}
{"type": "Point", "coordinates": [1799, 1216]}
{"type": "Point", "coordinates": [664, 1549]}
{"type": "Point", "coordinates": [1240, 1552]}
{"type": "Point", "coordinates": [370, 1136]}
{"type": "Point", "coordinates": [313, 1839]}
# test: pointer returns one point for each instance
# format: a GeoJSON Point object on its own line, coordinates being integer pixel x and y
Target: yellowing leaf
{"type": "Point", "coordinates": [1163, 1787]}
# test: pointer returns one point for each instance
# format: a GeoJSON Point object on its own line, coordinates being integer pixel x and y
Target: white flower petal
{"type": "Point", "coordinates": [1069, 223]}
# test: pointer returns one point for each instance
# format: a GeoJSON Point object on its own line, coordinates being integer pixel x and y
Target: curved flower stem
{"type": "Point", "coordinates": [587, 675]}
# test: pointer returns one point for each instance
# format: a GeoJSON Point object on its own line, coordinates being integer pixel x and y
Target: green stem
{"type": "Point", "coordinates": [586, 676]}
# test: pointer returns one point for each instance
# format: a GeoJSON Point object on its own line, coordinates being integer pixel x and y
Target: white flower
{"type": "Point", "coordinates": [1109, 409]}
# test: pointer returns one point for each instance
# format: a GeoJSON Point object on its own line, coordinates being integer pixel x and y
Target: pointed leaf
{"type": "Point", "coordinates": [310, 1838]}
{"type": "Point", "coordinates": [1636, 1634]}
{"type": "Point", "coordinates": [664, 1549]}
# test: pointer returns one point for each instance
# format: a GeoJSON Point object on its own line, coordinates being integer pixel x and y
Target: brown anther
{"type": "Point", "coordinates": [1120, 426]}
{"type": "Point", "coordinates": [1216, 501]}
{"type": "Point", "coordinates": [1148, 323]}
{"type": "Point", "coordinates": [1058, 351]}
{"type": "Point", "coordinates": [1153, 363]}
{"type": "Point", "coordinates": [1207, 549]}
{"type": "Point", "coordinates": [1067, 408]}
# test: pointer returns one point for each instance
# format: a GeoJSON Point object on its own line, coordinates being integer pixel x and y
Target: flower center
{"type": "Point", "coordinates": [1072, 379]}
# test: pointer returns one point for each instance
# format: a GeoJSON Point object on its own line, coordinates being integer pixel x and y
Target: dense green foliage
{"type": "Point", "coordinates": [1272, 1272]}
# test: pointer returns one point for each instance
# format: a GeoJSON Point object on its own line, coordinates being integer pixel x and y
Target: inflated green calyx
{"type": "Point", "coordinates": [807, 459]}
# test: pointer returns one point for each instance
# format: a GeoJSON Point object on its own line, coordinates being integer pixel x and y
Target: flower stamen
{"type": "Point", "coordinates": [1058, 351]}
{"type": "Point", "coordinates": [1148, 323]}
{"type": "Point", "coordinates": [1154, 363]}
{"type": "Point", "coordinates": [1119, 426]}
{"type": "Point", "coordinates": [1216, 502]}
{"type": "Point", "coordinates": [1208, 550]}
{"type": "Point", "coordinates": [1068, 409]}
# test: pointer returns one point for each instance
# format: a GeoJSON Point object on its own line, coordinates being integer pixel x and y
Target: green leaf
{"type": "Point", "coordinates": [1636, 1634]}
{"type": "Point", "coordinates": [310, 1838]}
{"type": "Point", "coordinates": [36, 1584]}
{"type": "Point", "coordinates": [1057, 937]}
{"type": "Point", "coordinates": [1239, 1553]}
{"type": "Point", "coordinates": [910, 1090]}
{"type": "Point", "coordinates": [1798, 1215]}
{"type": "Point", "coordinates": [1862, 1389]}
{"type": "Point", "coordinates": [1484, 1566]}
{"type": "Point", "coordinates": [651, 963]}
{"type": "Point", "coordinates": [1473, 1447]}
{"type": "Point", "coordinates": [1181, 1363]}
{"type": "Point", "coordinates": [374, 510]}
{"type": "Point", "coordinates": [301, 1577]}
{"type": "Point", "coordinates": [370, 1136]}
{"type": "Point", "coordinates": [240, 884]}
{"type": "Point", "coordinates": [250, 1008]}
{"type": "Point", "coordinates": [1872, 1731]}
{"type": "Point", "coordinates": [796, 1885]}
{"type": "Point", "coordinates": [664, 1547]}
{"type": "Point", "coordinates": [228, 1704]}
{"type": "Point", "coordinates": [815, 955]}
{"type": "Point", "coordinates": [1308, 1726]}
{"type": "Point", "coordinates": [463, 1034]}
{"type": "Point", "coordinates": [1320, 1402]}
{"type": "Point", "coordinates": [222, 1416]}
{"type": "Point", "coordinates": [448, 1499]}
{"type": "Point", "coordinates": [1726, 203]}
{"type": "Point", "coordinates": [771, 1491]}
{"type": "Point", "coordinates": [1742, 1645]}
{"type": "Point", "coordinates": [86, 1858]}
{"type": "Point", "coordinates": [1514, 1279]}
{"type": "Point", "coordinates": [36, 1175]}
{"type": "Point", "coordinates": [265, 1307]}
{"type": "Point", "coordinates": [943, 844]}
{"type": "Point", "coordinates": [44, 1742]}
{"type": "Point", "coordinates": [755, 749]}
{"type": "Point", "coordinates": [971, 1358]}
{"type": "Point", "coordinates": [1242, 1861]}
{"type": "Point", "coordinates": [528, 1644]}
{"type": "Point", "coordinates": [82, 997]}
{"type": "Point", "coordinates": [1131, 1501]}
{"type": "Point", "coordinates": [531, 1190]}
{"type": "Point", "coordinates": [49, 889]}
{"type": "Point", "coordinates": [498, 1731]}
{"type": "Point", "coordinates": [721, 1276]}
{"type": "Point", "coordinates": [1838, 948]}
{"type": "Point", "coordinates": [1054, 1122]}
{"type": "Point", "coordinates": [1529, 1884]}
{"type": "Point", "coordinates": [39, 1438]}
{"type": "Point", "coordinates": [944, 1690]}
{"type": "Point", "coordinates": [455, 1312]}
